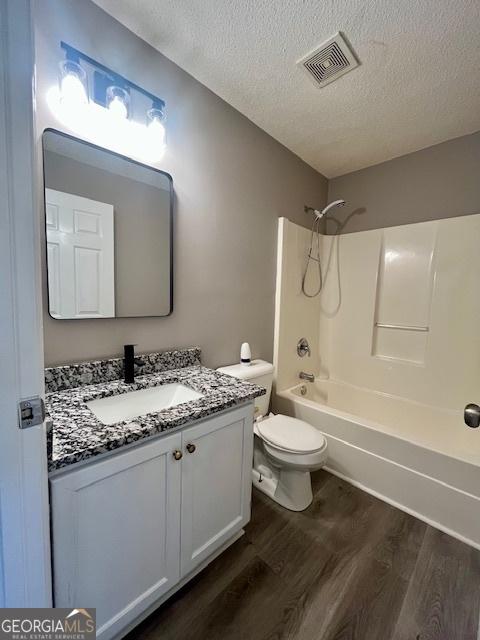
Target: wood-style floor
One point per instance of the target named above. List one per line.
(350, 567)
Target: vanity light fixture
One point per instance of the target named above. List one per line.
(106, 108)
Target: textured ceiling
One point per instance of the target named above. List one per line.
(418, 84)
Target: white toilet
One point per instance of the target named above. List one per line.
(286, 450)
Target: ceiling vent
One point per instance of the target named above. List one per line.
(329, 61)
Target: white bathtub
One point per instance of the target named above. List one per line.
(422, 459)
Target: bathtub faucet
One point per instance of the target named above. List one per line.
(309, 377)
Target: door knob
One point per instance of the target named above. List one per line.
(177, 454)
(190, 447)
(471, 415)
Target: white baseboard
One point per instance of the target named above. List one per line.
(440, 505)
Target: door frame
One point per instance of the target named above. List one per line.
(25, 572)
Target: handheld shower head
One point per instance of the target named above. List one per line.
(335, 203)
(320, 214)
(316, 233)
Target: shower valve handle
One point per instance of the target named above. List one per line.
(471, 415)
(303, 348)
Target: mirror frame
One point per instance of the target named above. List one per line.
(140, 164)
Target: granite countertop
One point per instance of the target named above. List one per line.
(77, 435)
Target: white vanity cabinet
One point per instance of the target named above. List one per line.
(129, 529)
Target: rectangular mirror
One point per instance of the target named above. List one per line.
(108, 232)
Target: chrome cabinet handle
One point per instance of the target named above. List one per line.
(190, 447)
(471, 415)
(177, 454)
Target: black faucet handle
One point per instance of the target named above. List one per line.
(139, 362)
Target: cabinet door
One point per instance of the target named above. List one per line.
(116, 531)
(216, 483)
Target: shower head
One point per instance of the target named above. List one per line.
(335, 203)
(320, 214)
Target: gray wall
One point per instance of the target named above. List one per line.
(438, 182)
(141, 231)
(232, 182)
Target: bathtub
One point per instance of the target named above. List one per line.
(421, 459)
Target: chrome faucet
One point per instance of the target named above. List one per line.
(309, 377)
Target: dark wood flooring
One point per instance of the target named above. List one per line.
(350, 567)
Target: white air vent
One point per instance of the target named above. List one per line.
(329, 61)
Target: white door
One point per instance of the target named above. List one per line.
(216, 483)
(116, 533)
(24, 518)
(80, 256)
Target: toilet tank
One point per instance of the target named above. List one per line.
(259, 372)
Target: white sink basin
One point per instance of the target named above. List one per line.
(138, 403)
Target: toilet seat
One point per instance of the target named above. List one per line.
(290, 434)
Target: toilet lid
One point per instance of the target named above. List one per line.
(291, 434)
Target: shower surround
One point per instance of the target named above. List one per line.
(396, 354)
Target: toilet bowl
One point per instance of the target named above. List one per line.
(286, 450)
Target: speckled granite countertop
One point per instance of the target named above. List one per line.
(78, 435)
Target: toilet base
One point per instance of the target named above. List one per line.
(290, 488)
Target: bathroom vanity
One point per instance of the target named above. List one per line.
(149, 458)
(141, 505)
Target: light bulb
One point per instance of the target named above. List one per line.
(157, 129)
(118, 108)
(117, 102)
(72, 83)
(156, 118)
